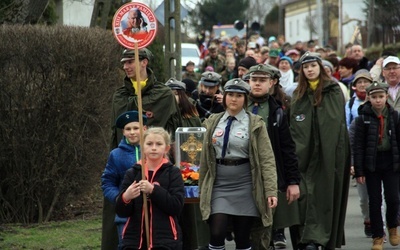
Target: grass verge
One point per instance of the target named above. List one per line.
(72, 234)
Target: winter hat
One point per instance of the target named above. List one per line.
(247, 62)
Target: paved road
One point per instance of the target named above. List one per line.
(355, 238)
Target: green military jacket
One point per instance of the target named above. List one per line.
(218, 63)
(158, 103)
(323, 151)
(262, 164)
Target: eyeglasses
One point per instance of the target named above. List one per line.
(391, 68)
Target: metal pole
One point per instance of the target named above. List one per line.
(340, 26)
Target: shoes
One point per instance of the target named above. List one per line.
(311, 246)
(394, 238)
(279, 240)
(367, 229)
(377, 243)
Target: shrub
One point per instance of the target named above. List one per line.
(56, 86)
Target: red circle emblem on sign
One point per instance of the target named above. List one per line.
(134, 23)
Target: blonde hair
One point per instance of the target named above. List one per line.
(158, 131)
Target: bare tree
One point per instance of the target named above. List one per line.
(23, 11)
(258, 9)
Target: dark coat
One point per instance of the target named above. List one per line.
(158, 102)
(206, 105)
(366, 139)
(323, 150)
(165, 204)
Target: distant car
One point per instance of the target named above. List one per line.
(190, 52)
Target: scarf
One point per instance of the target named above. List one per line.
(286, 79)
(313, 84)
(142, 84)
(361, 95)
(260, 99)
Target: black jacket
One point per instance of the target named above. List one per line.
(283, 146)
(165, 204)
(366, 138)
(206, 105)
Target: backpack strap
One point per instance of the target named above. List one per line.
(351, 103)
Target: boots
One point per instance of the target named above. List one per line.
(377, 243)
(394, 238)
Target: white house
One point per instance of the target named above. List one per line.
(299, 12)
(74, 12)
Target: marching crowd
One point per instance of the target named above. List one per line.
(288, 126)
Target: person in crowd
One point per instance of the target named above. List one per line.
(276, 89)
(158, 100)
(190, 86)
(244, 65)
(240, 50)
(229, 72)
(376, 160)
(208, 97)
(264, 52)
(317, 116)
(250, 52)
(328, 66)
(164, 188)
(214, 60)
(391, 74)
(311, 46)
(120, 160)
(299, 46)
(273, 57)
(263, 104)
(287, 76)
(376, 69)
(357, 53)
(190, 73)
(361, 82)
(347, 68)
(190, 213)
(293, 54)
(347, 52)
(160, 109)
(335, 63)
(189, 114)
(322, 52)
(237, 164)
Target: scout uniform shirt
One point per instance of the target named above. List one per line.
(238, 145)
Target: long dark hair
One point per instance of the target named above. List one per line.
(303, 84)
(187, 108)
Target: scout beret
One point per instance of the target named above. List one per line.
(310, 57)
(237, 85)
(376, 87)
(174, 84)
(210, 79)
(127, 117)
(129, 54)
(261, 68)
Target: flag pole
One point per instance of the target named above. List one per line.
(142, 157)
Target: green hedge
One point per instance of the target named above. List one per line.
(56, 85)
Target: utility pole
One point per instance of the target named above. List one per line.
(371, 17)
(309, 19)
(320, 23)
(172, 20)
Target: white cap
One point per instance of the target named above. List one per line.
(391, 59)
